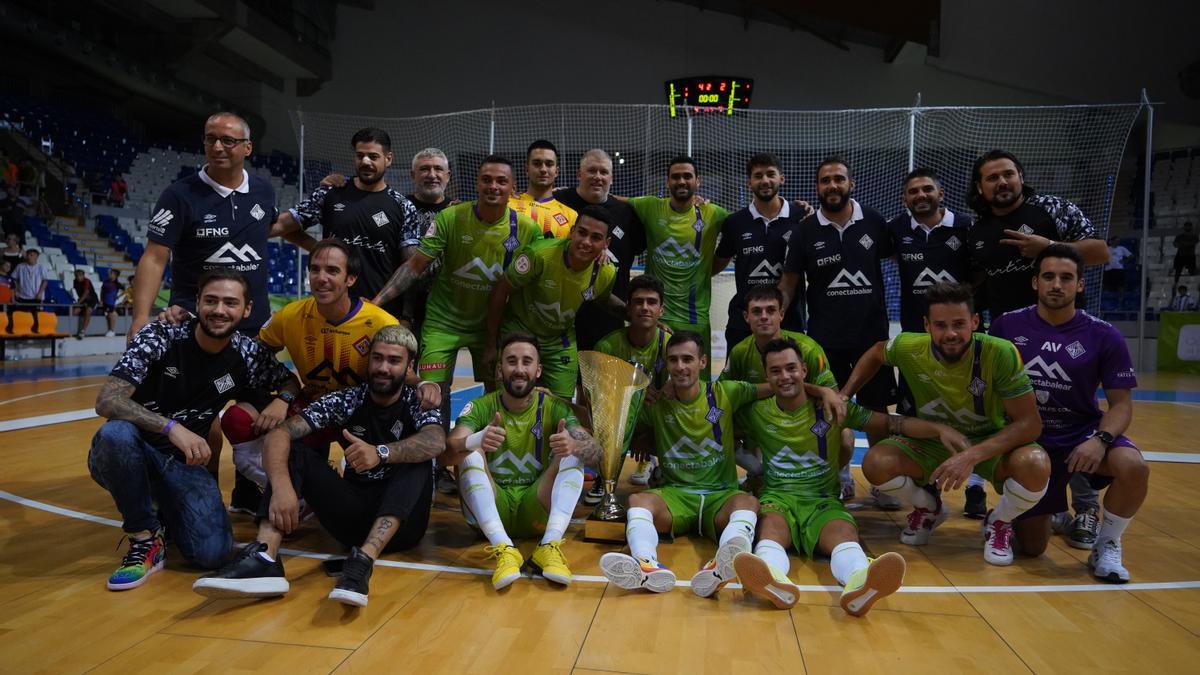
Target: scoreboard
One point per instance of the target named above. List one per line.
(709, 95)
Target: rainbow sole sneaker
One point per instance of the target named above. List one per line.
(632, 573)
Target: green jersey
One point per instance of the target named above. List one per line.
(801, 450)
(969, 395)
(680, 247)
(526, 448)
(474, 255)
(549, 292)
(652, 359)
(745, 362)
(694, 439)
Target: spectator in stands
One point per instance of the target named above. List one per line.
(1182, 302)
(12, 253)
(1114, 271)
(6, 285)
(1185, 251)
(86, 301)
(112, 294)
(31, 281)
(13, 215)
(10, 174)
(117, 191)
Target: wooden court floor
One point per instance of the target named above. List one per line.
(433, 609)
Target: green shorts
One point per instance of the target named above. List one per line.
(805, 516)
(521, 511)
(439, 352)
(929, 453)
(705, 331)
(694, 511)
(560, 366)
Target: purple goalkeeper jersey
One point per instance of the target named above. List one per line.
(1066, 365)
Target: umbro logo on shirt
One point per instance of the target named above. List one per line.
(747, 235)
(339, 207)
(171, 371)
(210, 218)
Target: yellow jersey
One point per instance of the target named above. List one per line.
(554, 217)
(327, 355)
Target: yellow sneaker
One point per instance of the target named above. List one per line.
(549, 559)
(765, 581)
(508, 565)
(879, 579)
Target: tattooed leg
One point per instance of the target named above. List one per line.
(381, 534)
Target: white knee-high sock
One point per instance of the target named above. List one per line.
(975, 481)
(846, 559)
(476, 489)
(772, 552)
(1112, 527)
(640, 532)
(1016, 500)
(907, 491)
(563, 497)
(740, 523)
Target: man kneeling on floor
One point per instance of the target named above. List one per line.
(380, 503)
(160, 401)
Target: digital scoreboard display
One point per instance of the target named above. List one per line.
(709, 95)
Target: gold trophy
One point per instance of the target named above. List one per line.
(611, 384)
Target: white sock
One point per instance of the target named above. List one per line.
(975, 481)
(740, 523)
(1112, 527)
(248, 460)
(1016, 500)
(475, 487)
(640, 532)
(907, 491)
(563, 497)
(846, 559)
(774, 554)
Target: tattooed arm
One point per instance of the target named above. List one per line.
(277, 445)
(115, 402)
(587, 449)
(404, 277)
(427, 443)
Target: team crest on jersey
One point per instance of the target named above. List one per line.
(820, 428)
(560, 219)
(257, 212)
(522, 264)
(977, 387)
(1042, 396)
(787, 236)
(536, 430)
(380, 219)
(953, 243)
(511, 244)
(397, 429)
(467, 409)
(223, 383)
(618, 232)
(1076, 350)
(1025, 229)
(714, 415)
(866, 241)
(698, 225)
(363, 345)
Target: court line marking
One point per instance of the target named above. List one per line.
(589, 578)
(47, 393)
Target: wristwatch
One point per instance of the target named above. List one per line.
(383, 451)
(1105, 438)
(286, 396)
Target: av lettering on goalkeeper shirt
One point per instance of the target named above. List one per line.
(843, 277)
(968, 395)
(1067, 364)
(926, 257)
(680, 246)
(208, 226)
(473, 255)
(758, 248)
(378, 225)
(1006, 273)
(548, 292)
(174, 377)
(525, 452)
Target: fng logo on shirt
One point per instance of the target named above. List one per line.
(477, 270)
(229, 254)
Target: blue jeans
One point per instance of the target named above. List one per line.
(188, 498)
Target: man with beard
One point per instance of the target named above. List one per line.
(520, 457)
(160, 400)
(975, 384)
(541, 291)
(381, 503)
(627, 242)
(430, 175)
(836, 252)
(539, 202)
(756, 239)
(377, 221)
(1069, 354)
(681, 242)
(1015, 223)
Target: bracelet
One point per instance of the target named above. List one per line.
(167, 429)
(422, 383)
(475, 440)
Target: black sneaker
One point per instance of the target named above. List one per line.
(351, 588)
(593, 496)
(976, 505)
(445, 482)
(245, 497)
(1084, 529)
(248, 575)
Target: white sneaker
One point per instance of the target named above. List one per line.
(110, 334)
(631, 573)
(997, 541)
(642, 475)
(720, 570)
(847, 490)
(1105, 561)
(921, 523)
(884, 501)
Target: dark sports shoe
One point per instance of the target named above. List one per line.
(351, 588)
(445, 482)
(245, 497)
(249, 575)
(593, 496)
(976, 505)
(1084, 529)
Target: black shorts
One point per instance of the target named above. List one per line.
(878, 393)
(1055, 499)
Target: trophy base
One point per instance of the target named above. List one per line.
(604, 531)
